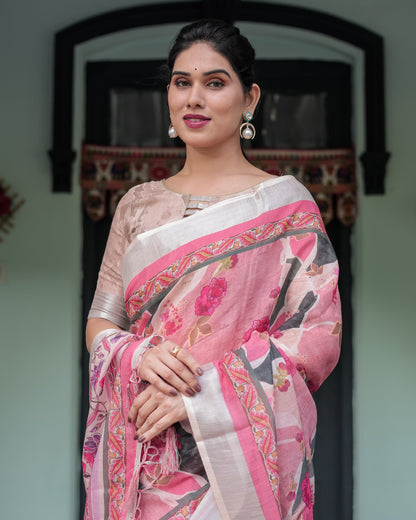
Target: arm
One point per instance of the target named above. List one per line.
(156, 365)
(95, 326)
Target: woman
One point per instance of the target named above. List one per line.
(203, 409)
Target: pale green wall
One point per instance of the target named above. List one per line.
(40, 299)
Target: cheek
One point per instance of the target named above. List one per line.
(175, 105)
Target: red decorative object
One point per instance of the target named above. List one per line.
(8, 207)
(107, 172)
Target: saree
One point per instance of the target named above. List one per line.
(249, 287)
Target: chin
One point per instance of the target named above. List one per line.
(204, 141)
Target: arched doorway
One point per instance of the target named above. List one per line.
(336, 434)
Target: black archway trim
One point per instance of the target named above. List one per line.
(374, 159)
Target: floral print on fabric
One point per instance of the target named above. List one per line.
(210, 297)
(172, 320)
(261, 348)
(307, 494)
(254, 236)
(261, 325)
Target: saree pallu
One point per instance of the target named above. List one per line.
(249, 287)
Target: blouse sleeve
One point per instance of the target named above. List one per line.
(144, 207)
(108, 302)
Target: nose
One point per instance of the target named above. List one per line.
(196, 96)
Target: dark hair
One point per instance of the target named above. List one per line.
(223, 38)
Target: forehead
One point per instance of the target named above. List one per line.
(201, 56)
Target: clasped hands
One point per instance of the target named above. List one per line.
(171, 371)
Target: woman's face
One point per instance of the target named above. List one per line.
(206, 98)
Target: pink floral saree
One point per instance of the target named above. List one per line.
(249, 287)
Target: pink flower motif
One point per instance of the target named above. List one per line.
(289, 366)
(307, 492)
(290, 497)
(234, 260)
(299, 437)
(261, 325)
(171, 327)
(89, 459)
(171, 320)
(285, 386)
(274, 293)
(210, 297)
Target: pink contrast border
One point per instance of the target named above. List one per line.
(273, 215)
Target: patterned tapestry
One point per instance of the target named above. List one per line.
(107, 173)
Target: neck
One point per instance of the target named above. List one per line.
(220, 170)
(202, 163)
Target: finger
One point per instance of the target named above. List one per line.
(184, 356)
(154, 424)
(134, 409)
(167, 413)
(139, 401)
(184, 365)
(188, 360)
(168, 374)
(176, 374)
(151, 370)
(146, 410)
(169, 364)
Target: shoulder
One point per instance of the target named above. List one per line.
(140, 192)
(142, 195)
(132, 204)
(147, 205)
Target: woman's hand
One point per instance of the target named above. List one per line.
(170, 368)
(153, 412)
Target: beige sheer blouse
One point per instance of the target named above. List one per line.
(144, 207)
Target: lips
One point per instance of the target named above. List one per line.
(195, 117)
(195, 120)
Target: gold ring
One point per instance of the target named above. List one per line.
(175, 350)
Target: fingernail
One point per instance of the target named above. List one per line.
(173, 392)
(141, 439)
(129, 419)
(136, 436)
(197, 387)
(189, 391)
(199, 371)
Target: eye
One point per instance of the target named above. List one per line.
(216, 83)
(181, 82)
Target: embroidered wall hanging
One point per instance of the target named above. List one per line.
(9, 204)
(108, 172)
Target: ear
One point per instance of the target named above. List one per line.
(252, 98)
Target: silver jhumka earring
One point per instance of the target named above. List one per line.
(172, 132)
(247, 130)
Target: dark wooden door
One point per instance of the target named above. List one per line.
(305, 104)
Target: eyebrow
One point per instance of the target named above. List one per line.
(208, 73)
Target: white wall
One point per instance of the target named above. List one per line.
(40, 300)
